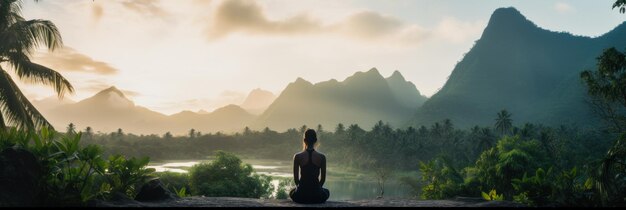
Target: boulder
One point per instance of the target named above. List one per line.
(20, 172)
(153, 191)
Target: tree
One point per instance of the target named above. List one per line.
(303, 129)
(247, 131)
(167, 135)
(227, 176)
(119, 133)
(192, 133)
(340, 129)
(20, 38)
(71, 128)
(621, 4)
(320, 129)
(504, 122)
(88, 132)
(607, 88)
(486, 139)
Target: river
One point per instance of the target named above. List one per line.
(342, 184)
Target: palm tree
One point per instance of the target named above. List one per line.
(71, 128)
(504, 122)
(89, 132)
(340, 129)
(20, 38)
(192, 133)
(167, 135)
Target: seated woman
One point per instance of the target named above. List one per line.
(309, 163)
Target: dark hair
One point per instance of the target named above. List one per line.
(310, 137)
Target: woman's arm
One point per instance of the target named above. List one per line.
(296, 171)
(323, 171)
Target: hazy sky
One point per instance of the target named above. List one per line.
(173, 55)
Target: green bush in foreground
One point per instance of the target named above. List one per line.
(227, 176)
(72, 174)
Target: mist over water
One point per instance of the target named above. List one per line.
(341, 188)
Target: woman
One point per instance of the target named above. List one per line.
(311, 165)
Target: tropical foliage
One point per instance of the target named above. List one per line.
(20, 38)
(75, 174)
(227, 176)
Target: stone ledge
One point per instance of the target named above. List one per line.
(197, 201)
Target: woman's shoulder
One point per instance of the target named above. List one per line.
(298, 154)
(321, 154)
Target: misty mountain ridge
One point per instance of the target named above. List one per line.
(363, 98)
(529, 71)
(364, 92)
(257, 101)
(110, 109)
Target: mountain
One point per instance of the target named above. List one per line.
(405, 92)
(110, 109)
(230, 118)
(529, 71)
(106, 111)
(363, 98)
(51, 102)
(258, 100)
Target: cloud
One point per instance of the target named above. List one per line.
(249, 17)
(147, 7)
(94, 85)
(97, 11)
(564, 8)
(455, 30)
(67, 59)
(370, 24)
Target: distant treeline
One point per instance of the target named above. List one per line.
(353, 146)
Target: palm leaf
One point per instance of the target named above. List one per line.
(24, 36)
(10, 12)
(35, 73)
(16, 107)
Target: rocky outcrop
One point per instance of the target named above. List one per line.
(153, 191)
(197, 201)
(20, 173)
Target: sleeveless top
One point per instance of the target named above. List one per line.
(310, 173)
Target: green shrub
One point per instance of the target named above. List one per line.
(284, 185)
(175, 181)
(227, 176)
(74, 174)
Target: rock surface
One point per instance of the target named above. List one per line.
(197, 201)
(19, 175)
(154, 190)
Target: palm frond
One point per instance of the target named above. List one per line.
(10, 12)
(35, 73)
(16, 107)
(25, 36)
(3, 126)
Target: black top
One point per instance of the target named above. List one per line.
(310, 173)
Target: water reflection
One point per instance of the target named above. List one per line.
(340, 188)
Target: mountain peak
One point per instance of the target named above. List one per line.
(396, 76)
(507, 22)
(113, 97)
(510, 12)
(373, 71)
(231, 108)
(112, 89)
(301, 82)
(258, 100)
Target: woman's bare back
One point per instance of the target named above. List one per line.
(302, 158)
